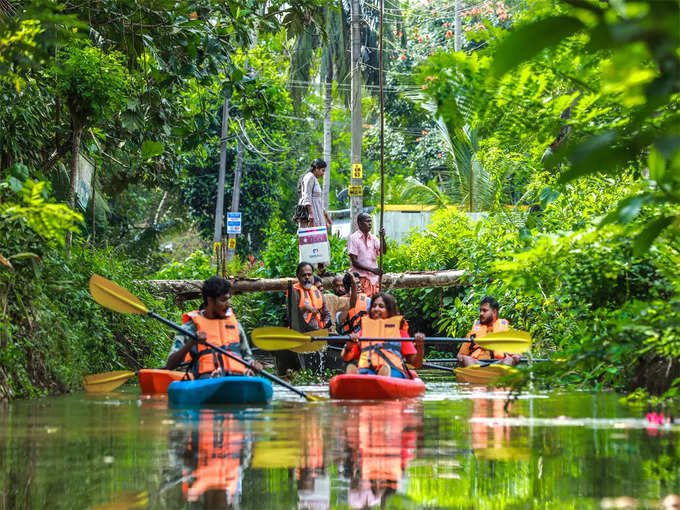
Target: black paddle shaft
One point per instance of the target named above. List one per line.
(269, 376)
(443, 339)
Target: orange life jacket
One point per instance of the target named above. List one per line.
(310, 297)
(218, 458)
(222, 333)
(479, 330)
(354, 315)
(378, 353)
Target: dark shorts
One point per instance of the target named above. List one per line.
(394, 372)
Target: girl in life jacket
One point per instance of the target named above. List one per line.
(216, 324)
(383, 357)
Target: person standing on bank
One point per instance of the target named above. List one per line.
(310, 198)
(363, 249)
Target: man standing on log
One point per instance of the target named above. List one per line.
(363, 249)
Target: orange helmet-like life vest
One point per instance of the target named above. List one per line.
(380, 352)
(221, 332)
(355, 314)
(312, 297)
(479, 330)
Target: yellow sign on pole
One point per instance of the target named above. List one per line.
(356, 191)
(232, 243)
(357, 171)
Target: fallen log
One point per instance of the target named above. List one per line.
(191, 289)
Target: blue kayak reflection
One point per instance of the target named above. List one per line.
(211, 449)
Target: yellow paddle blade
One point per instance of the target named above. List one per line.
(114, 297)
(312, 346)
(513, 341)
(108, 381)
(276, 338)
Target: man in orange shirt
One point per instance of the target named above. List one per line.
(488, 322)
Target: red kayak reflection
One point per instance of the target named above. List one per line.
(381, 439)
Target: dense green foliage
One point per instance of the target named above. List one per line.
(558, 122)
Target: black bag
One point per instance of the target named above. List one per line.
(301, 214)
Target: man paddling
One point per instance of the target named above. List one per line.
(488, 322)
(217, 324)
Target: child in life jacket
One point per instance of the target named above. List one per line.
(215, 323)
(383, 357)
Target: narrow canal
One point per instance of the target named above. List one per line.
(458, 447)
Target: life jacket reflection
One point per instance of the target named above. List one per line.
(221, 332)
(215, 453)
(377, 353)
(383, 439)
(479, 330)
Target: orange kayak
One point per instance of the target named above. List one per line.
(375, 387)
(157, 380)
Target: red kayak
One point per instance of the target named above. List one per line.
(157, 381)
(375, 387)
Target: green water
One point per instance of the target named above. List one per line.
(456, 448)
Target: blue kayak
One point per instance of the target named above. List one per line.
(234, 389)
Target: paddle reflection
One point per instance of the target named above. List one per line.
(381, 439)
(213, 452)
(493, 440)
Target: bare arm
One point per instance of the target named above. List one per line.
(417, 359)
(359, 265)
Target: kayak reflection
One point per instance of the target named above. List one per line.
(213, 452)
(491, 439)
(381, 439)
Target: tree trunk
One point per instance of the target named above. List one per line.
(191, 289)
(75, 156)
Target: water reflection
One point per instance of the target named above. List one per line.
(458, 448)
(381, 439)
(211, 450)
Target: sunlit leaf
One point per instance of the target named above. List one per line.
(528, 41)
(651, 231)
(151, 149)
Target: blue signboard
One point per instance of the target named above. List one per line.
(234, 223)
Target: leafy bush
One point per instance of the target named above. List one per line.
(51, 331)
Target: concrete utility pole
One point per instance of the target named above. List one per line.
(458, 35)
(356, 201)
(219, 207)
(236, 193)
(327, 138)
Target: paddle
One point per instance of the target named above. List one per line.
(108, 381)
(275, 338)
(116, 298)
